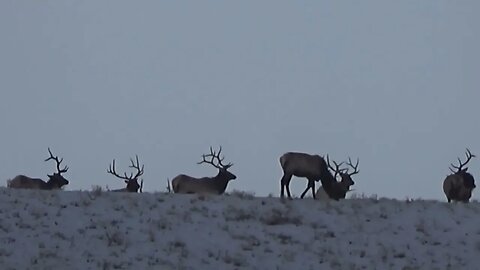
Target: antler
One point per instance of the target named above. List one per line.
(215, 156)
(355, 168)
(337, 169)
(140, 170)
(469, 156)
(137, 167)
(60, 171)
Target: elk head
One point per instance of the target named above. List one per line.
(223, 172)
(340, 189)
(131, 180)
(56, 179)
(347, 176)
(460, 167)
(462, 171)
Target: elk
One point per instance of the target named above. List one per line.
(459, 185)
(131, 180)
(206, 185)
(340, 189)
(312, 167)
(55, 180)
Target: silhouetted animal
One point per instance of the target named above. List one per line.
(312, 167)
(459, 185)
(132, 180)
(55, 181)
(206, 185)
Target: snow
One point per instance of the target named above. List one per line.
(106, 230)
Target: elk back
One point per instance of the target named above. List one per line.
(303, 164)
(22, 181)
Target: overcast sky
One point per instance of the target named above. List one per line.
(395, 83)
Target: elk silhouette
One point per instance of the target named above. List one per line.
(131, 180)
(340, 189)
(55, 180)
(314, 168)
(459, 185)
(206, 185)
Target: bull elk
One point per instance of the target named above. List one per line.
(131, 180)
(312, 167)
(206, 185)
(55, 180)
(459, 185)
(340, 189)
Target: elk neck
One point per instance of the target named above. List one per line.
(327, 178)
(221, 180)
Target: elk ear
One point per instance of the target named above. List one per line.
(126, 181)
(50, 175)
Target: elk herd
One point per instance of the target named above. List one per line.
(457, 186)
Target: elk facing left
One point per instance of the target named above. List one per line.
(55, 180)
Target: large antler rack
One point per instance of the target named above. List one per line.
(134, 165)
(459, 168)
(354, 167)
(215, 156)
(58, 161)
(337, 170)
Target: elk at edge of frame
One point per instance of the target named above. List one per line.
(459, 185)
(55, 180)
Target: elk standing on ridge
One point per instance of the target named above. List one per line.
(206, 185)
(55, 180)
(132, 180)
(312, 167)
(459, 185)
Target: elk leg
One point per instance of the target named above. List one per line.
(285, 183)
(311, 184)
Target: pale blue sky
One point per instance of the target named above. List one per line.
(395, 83)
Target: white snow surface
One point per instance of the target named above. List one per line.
(106, 230)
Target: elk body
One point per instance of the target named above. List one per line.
(55, 180)
(131, 180)
(206, 185)
(312, 167)
(459, 185)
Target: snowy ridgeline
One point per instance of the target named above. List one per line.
(101, 230)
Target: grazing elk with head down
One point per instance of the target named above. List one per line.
(340, 189)
(131, 180)
(312, 167)
(206, 185)
(55, 180)
(459, 185)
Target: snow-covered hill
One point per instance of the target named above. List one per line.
(103, 230)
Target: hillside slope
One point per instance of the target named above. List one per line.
(101, 230)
